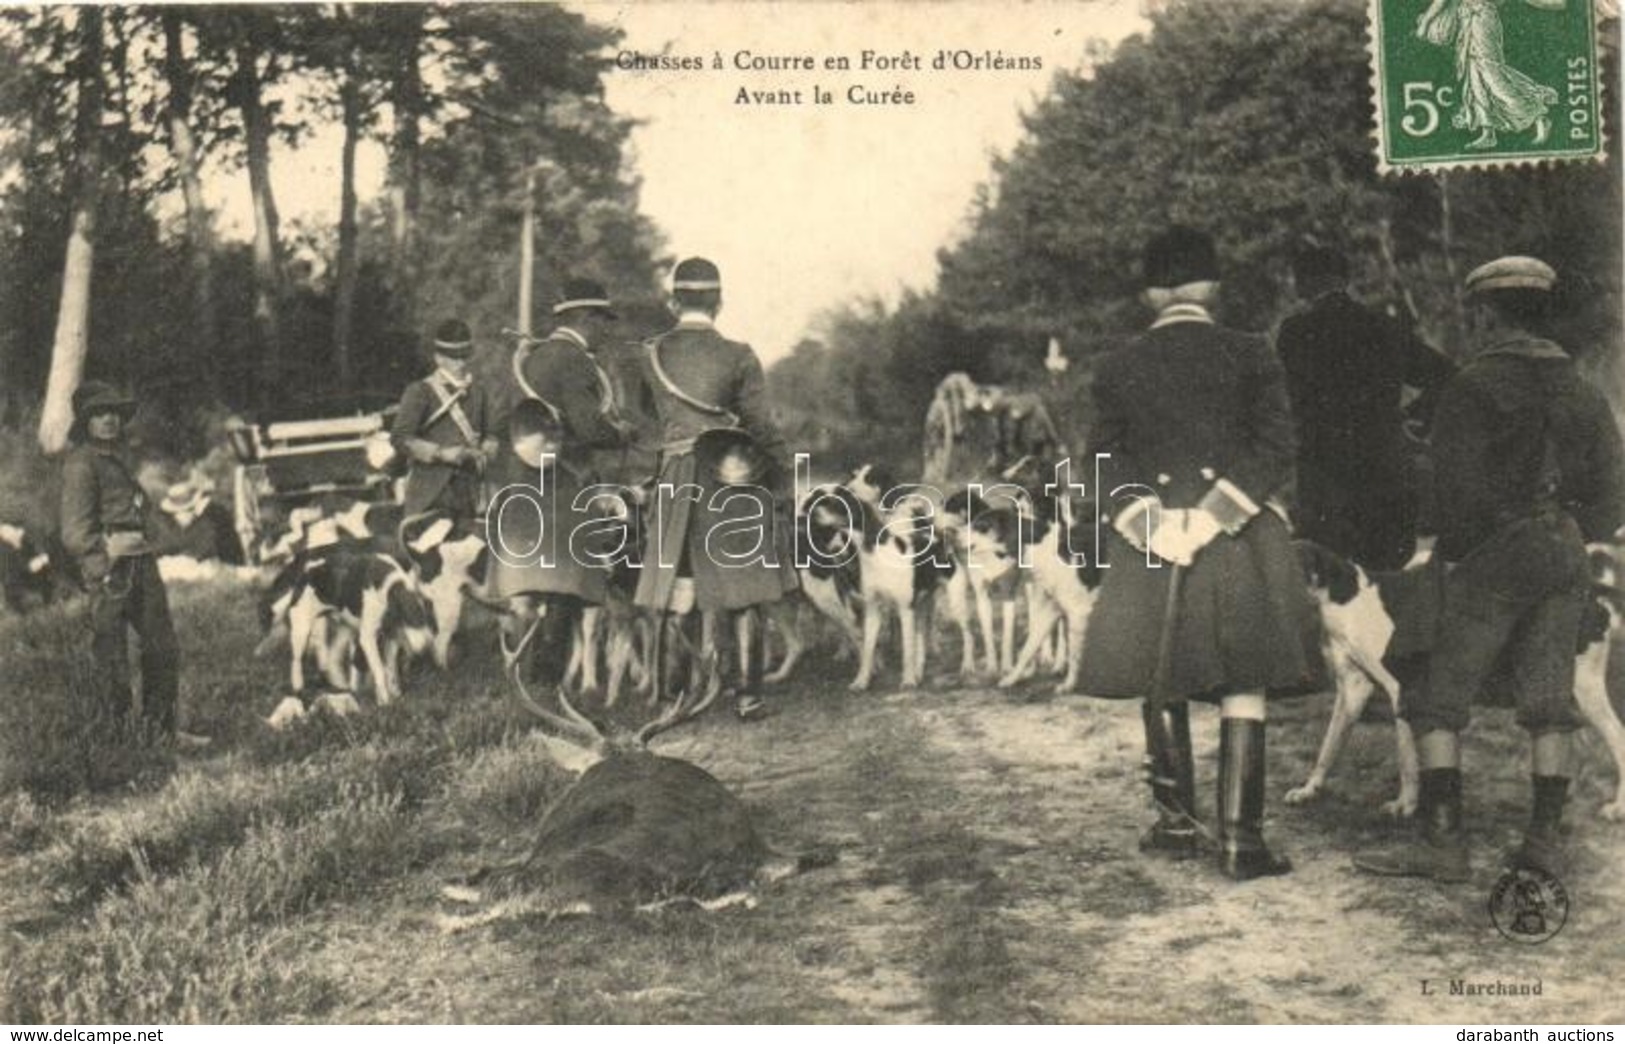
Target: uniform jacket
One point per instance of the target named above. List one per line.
(709, 368)
(1199, 414)
(563, 373)
(1356, 490)
(1345, 365)
(1188, 403)
(1518, 431)
(99, 496)
(421, 416)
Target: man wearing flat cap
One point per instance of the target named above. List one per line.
(104, 526)
(1529, 468)
(719, 552)
(561, 379)
(443, 427)
(1194, 436)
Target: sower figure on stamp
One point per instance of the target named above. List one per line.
(560, 415)
(716, 544)
(443, 428)
(1347, 366)
(1528, 467)
(104, 518)
(1195, 436)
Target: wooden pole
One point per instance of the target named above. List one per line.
(527, 251)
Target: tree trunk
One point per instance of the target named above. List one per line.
(199, 223)
(344, 294)
(72, 340)
(406, 98)
(267, 247)
(1447, 242)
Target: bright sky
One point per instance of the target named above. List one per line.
(803, 206)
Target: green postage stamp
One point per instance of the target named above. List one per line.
(1480, 83)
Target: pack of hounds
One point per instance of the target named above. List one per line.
(357, 592)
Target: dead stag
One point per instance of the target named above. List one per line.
(637, 830)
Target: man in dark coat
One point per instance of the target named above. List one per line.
(1528, 468)
(1346, 367)
(535, 512)
(443, 428)
(104, 520)
(696, 381)
(1193, 437)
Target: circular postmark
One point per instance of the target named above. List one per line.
(1528, 905)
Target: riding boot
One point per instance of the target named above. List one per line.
(751, 650)
(1440, 853)
(550, 657)
(1243, 855)
(1172, 776)
(1542, 845)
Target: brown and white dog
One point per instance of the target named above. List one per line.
(371, 595)
(983, 576)
(1060, 580)
(28, 572)
(1363, 618)
(448, 561)
(332, 519)
(901, 564)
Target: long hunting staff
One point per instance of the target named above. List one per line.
(444, 428)
(1528, 468)
(1196, 436)
(709, 396)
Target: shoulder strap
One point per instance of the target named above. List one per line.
(679, 394)
(520, 354)
(450, 405)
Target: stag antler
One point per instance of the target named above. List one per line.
(573, 722)
(689, 705)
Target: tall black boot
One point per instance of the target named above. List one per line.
(1542, 846)
(550, 656)
(1172, 775)
(1242, 852)
(1440, 853)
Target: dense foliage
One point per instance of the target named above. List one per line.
(1251, 118)
(465, 99)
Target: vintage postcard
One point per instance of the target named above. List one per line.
(804, 513)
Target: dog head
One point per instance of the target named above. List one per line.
(1330, 575)
(408, 615)
(870, 483)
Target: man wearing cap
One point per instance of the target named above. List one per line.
(1194, 436)
(1347, 366)
(539, 510)
(104, 519)
(443, 428)
(719, 552)
(1528, 468)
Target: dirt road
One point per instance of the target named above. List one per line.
(988, 872)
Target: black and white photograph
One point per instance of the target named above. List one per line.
(1100, 513)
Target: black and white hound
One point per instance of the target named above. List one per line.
(1365, 617)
